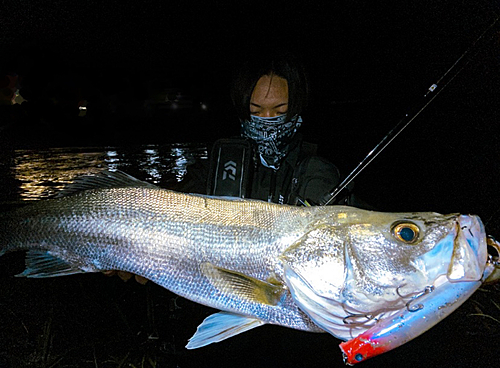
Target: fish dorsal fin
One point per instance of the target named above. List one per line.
(105, 179)
(243, 286)
(221, 326)
(40, 264)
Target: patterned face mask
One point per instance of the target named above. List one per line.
(272, 135)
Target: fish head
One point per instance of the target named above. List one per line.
(411, 251)
(367, 264)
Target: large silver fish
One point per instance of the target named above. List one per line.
(334, 268)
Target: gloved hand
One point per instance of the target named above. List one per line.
(125, 276)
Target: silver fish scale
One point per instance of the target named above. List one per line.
(165, 236)
(339, 260)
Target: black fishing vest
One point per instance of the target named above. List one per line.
(235, 170)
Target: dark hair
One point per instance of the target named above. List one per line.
(282, 64)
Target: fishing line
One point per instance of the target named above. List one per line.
(431, 93)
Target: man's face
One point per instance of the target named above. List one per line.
(269, 97)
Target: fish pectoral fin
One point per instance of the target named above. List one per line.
(40, 263)
(221, 326)
(243, 286)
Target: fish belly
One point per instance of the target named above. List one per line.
(165, 237)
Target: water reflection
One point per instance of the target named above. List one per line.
(182, 158)
(112, 160)
(42, 173)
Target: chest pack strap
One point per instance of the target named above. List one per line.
(230, 168)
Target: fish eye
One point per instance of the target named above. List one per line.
(407, 232)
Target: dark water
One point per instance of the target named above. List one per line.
(40, 173)
(97, 321)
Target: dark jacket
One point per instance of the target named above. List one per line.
(302, 176)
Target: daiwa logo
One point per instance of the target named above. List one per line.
(229, 170)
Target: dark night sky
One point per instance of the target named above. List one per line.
(370, 62)
(352, 48)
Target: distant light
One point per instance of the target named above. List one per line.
(17, 98)
(203, 106)
(82, 106)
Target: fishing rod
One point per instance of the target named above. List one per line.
(431, 93)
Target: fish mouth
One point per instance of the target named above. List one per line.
(461, 255)
(470, 252)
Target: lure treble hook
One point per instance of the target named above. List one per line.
(414, 308)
